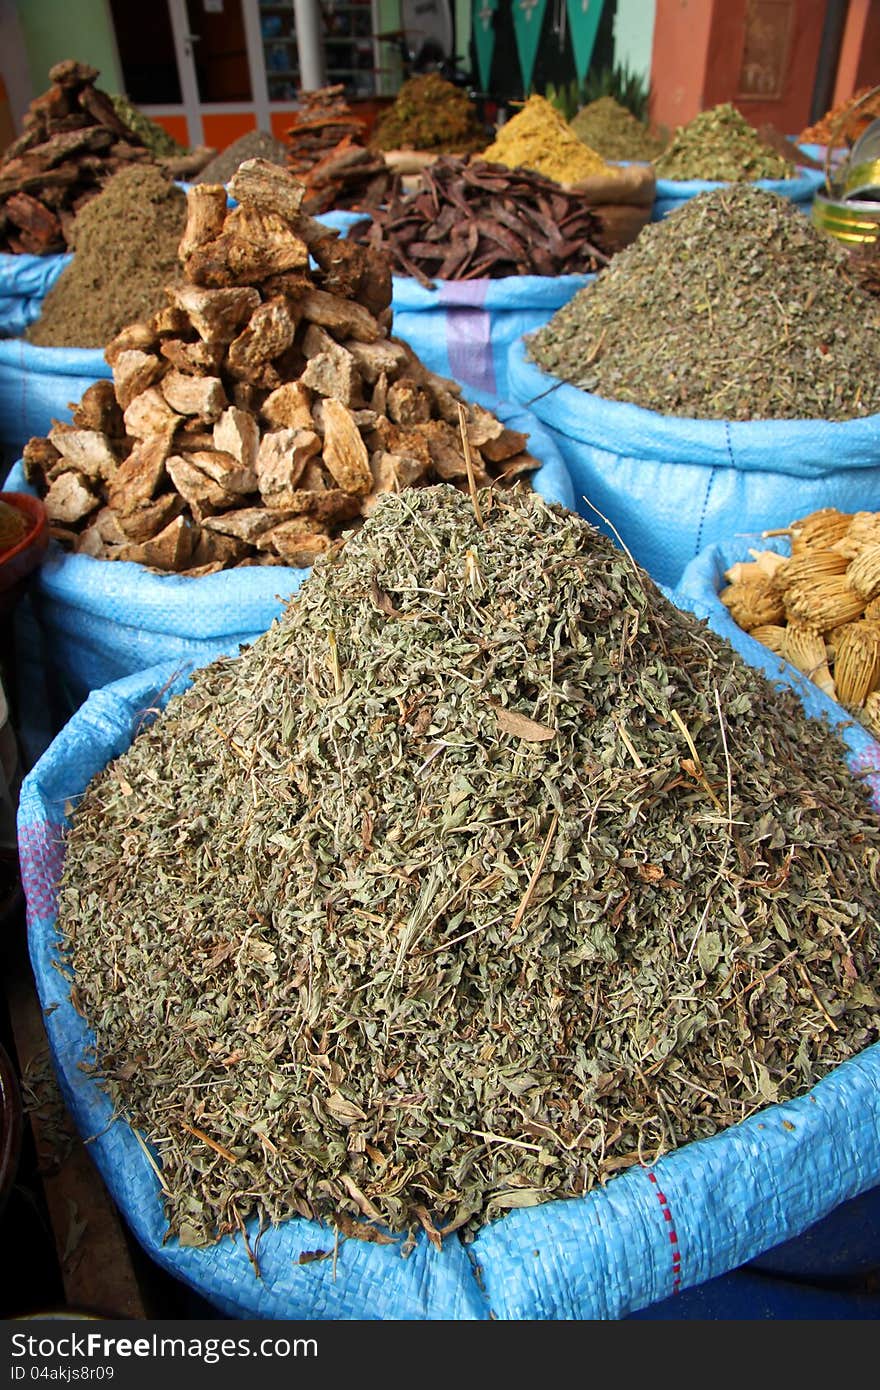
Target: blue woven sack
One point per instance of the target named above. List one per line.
(699, 1212)
(672, 193)
(670, 485)
(39, 384)
(463, 329)
(24, 283)
(103, 620)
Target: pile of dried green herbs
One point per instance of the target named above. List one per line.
(430, 113)
(733, 307)
(484, 874)
(614, 132)
(125, 243)
(721, 145)
(150, 133)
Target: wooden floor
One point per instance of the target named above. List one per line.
(64, 1243)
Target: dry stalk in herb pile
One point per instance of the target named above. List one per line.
(264, 409)
(479, 220)
(483, 875)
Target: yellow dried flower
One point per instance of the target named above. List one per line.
(813, 562)
(804, 647)
(825, 602)
(753, 602)
(821, 528)
(863, 573)
(771, 635)
(869, 714)
(857, 662)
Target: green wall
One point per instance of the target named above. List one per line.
(57, 29)
(634, 35)
(463, 22)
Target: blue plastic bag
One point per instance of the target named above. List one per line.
(699, 1212)
(669, 485)
(39, 384)
(24, 283)
(672, 193)
(463, 329)
(102, 620)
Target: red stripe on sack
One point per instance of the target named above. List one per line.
(673, 1234)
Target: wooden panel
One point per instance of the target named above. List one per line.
(788, 57)
(769, 27)
(96, 1261)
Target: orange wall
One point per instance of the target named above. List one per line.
(859, 64)
(220, 131)
(791, 110)
(176, 126)
(678, 60)
(697, 55)
(868, 74)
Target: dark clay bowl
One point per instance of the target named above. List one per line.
(18, 560)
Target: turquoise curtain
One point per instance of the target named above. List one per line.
(583, 23)
(528, 16)
(484, 38)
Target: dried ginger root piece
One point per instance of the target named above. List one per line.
(345, 453)
(252, 246)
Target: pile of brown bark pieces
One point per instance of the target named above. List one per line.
(72, 143)
(265, 409)
(326, 150)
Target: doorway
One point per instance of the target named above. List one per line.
(196, 67)
(210, 71)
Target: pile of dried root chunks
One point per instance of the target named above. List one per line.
(265, 408)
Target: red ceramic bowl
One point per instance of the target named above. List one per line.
(18, 561)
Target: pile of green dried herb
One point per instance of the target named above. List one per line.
(156, 139)
(865, 263)
(614, 132)
(125, 245)
(733, 307)
(720, 145)
(430, 113)
(483, 874)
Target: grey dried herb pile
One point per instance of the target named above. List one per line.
(733, 307)
(721, 145)
(256, 144)
(482, 875)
